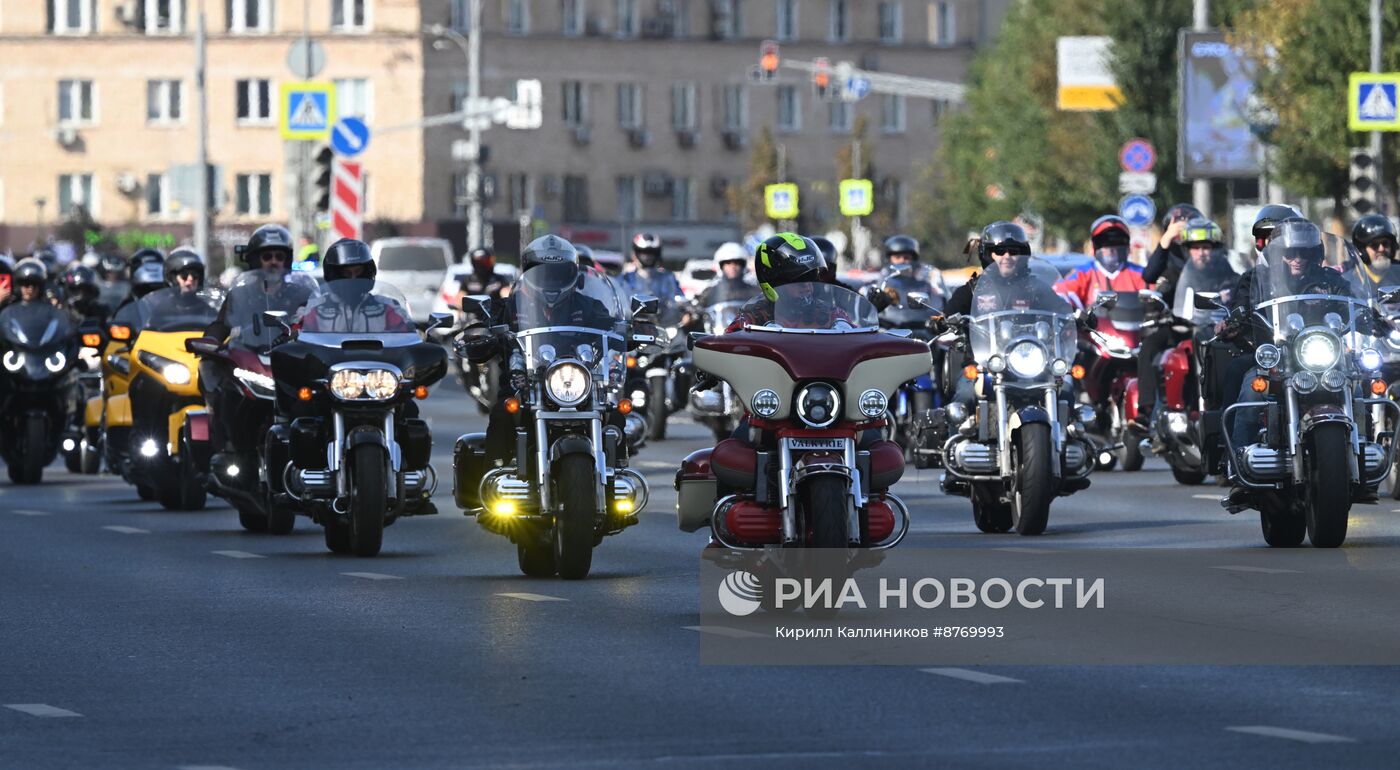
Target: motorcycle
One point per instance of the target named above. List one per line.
(1021, 446)
(913, 302)
(657, 382)
(569, 485)
(39, 349)
(817, 382)
(347, 448)
(79, 454)
(720, 409)
(1108, 359)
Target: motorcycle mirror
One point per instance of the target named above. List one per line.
(477, 306)
(645, 304)
(1206, 300)
(439, 321)
(1106, 299)
(202, 346)
(899, 332)
(276, 318)
(918, 299)
(1390, 295)
(694, 337)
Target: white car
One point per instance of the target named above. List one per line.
(446, 299)
(417, 266)
(696, 275)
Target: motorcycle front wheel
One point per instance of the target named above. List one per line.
(573, 526)
(656, 409)
(369, 493)
(826, 511)
(1329, 488)
(1030, 504)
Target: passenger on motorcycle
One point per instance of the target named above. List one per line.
(1169, 257)
(1111, 270)
(81, 287)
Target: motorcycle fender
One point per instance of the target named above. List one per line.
(570, 445)
(658, 373)
(1130, 399)
(1026, 416)
(364, 434)
(1323, 413)
(92, 412)
(196, 416)
(819, 463)
(119, 411)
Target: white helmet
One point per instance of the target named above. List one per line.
(731, 252)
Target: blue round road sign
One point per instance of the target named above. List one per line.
(1137, 155)
(349, 137)
(1137, 210)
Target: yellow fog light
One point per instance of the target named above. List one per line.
(504, 508)
(623, 506)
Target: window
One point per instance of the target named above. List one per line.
(75, 102)
(736, 108)
(628, 204)
(626, 18)
(728, 19)
(575, 103)
(891, 23)
(461, 15)
(248, 16)
(157, 196)
(71, 17)
(942, 23)
(164, 101)
(683, 199)
(678, 12)
(75, 190)
(892, 113)
(629, 105)
(352, 98)
(838, 117)
(897, 196)
(789, 109)
(573, 17)
(162, 17)
(838, 27)
(575, 199)
(683, 107)
(254, 101)
(787, 20)
(517, 17)
(254, 194)
(348, 15)
(522, 193)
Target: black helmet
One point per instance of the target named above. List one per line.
(32, 271)
(345, 253)
(1109, 230)
(483, 260)
(646, 249)
(112, 265)
(183, 260)
(144, 257)
(267, 238)
(49, 258)
(1371, 230)
(828, 250)
(80, 281)
(786, 258)
(547, 249)
(1267, 218)
(1002, 236)
(901, 244)
(551, 282)
(1180, 211)
(585, 256)
(147, 277)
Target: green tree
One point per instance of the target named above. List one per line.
(747, 199)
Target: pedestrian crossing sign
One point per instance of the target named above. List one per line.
(308, 110)
(1373, 101)
(781, 200)
(857, 197)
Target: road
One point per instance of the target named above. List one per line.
(139, 638)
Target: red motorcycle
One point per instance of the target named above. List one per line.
(816, 385)
(1108, 358)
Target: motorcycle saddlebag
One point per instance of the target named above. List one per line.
(415, 442)
(735, 464)
(468, 466)
(880, 518)
(695, 491)
(308, 443)
(886, 464)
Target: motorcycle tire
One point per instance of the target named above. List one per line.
(826, 511)
(1329, 492)
(656, 409)
(30, 468)
(281, 520)
(1130, 456)
(573, 526)
(251, 518)
(535, 560)
(145, 491)
(1280, 521)
(73, 461)
(989, 513)
(1187, 476)
(90, 459)
(1030, 503)
(369, 499)
(337, 536)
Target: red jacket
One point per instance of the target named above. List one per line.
(1082, 286)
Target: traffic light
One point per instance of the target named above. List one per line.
(821, 78)
(1363, 194)
(768, 59)
(321, 179)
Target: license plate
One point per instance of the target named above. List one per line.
(818, 444)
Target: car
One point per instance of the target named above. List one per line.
(695, 275)
(446, 299)
(417, 266)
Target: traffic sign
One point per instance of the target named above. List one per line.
(350, 137)
(306, 58)
(781, 200)
(1137, 210)
(1373, 101)
(857, 88)
(307, 110)
(1137, 155)
(857, 197)
(347, 199)
(1137, 182)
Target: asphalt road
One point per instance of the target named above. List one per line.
(135, 637)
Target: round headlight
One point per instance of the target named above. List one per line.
(175, 374)
(14, 360)
(873, 403)
(567, 384)
(766, 403)
(1059, 367)
(1334, 379)
(1370, 359)
(1027, 359)
(1305, 382)
(381, 383)
(1267, 356)
(996, 364)
(1318, 351)
(348, 384)
(818, 405)
(56, 362)
(1085, 414)
(1393, 339)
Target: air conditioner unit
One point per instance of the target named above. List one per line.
(127, 183)
(638, 137)
(582, 135)
(656, 27)
(687, 137)
(735, 139)
(66, 136)
(656, 184)
(719, 187)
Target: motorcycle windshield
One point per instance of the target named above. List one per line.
(1017, 315)
(1293, 288)
(362, 307)
(171, 310)
(564, 312)
(34, 326)
(1215, 276)
(720, 315)
(660, 285)
(259, 291)
(897, 286)
(730, 293)
(820, 308)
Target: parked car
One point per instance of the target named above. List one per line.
(417, 266)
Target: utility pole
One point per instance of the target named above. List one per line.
(1200, 188)
(1381, 193)
(201, 205)
(859, 240)
(472, 122)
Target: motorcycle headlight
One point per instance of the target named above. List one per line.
(873, 403)
(818, 405)
(381, 384)
(172, 372)
(567, 383)
(996, 364)
(257, 382)
(348, 384)
(1370, 359)
(1318, 351)
(14, 360)
(1267, 356)
(1305, 382)
(1393, 339)
(1027, 359)
(1059, 367)
(1334, 380)
(766, 403)
(56, 362)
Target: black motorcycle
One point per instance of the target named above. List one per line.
(38, 352)
(910, 301)
(348, 449)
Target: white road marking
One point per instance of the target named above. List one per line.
(532, 597)
(732, 633)
(1302, 736)
(968, 675)
(31, 513)
(239, 554)
(205, 767)
(127, 530)
(1265, 570)
(371, 575)
(41, 710)
(1206, 497)
(1023, 549)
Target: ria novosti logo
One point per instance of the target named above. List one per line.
(739, 593)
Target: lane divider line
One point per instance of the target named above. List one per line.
(238, 554)
(532, 597)
(1302, 736)
(41, 710)
(371, 575)
(127, 530)
(30, 513)
(1265, 570)
(969, 675)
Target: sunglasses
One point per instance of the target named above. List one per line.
(1002, 251)
(187, 275)
(269, 256)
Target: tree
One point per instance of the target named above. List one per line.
(747, 199)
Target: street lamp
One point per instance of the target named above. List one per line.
(470, 46)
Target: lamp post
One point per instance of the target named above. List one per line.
(470, 46)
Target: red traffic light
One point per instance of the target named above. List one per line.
(768, 57)
(821, 75)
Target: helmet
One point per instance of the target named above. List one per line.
(49, 259)
(585, 256)
(31, 271)
(483, 260)
(901, 244)
(786, 258)
(732, 252)
(112, 265)
(267, 238)
(1109, 231)
(183, 260)
(1370, 229)
(1202, 230)
(1267, 218)
(146, 278)
(828, 250)
(81, 283)
(551, 282)
(546, 249)
(91, 259)
(1002, 236)
(346, 253)
(1181, 211)
(145, 256)
(1296, 236)
(646, 249)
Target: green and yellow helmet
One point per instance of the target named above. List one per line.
(786, 258)
(1202, 230)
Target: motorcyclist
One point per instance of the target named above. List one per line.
(732, 261)
(184, 275)
(1374, 238)
(115, 286)
(83, 290)
(483, 278)
(30, 278)
(1165, 263)
(7, 278)
(647, 275)
(350, 304)
(1111, 270)
(779, 260)
(267, 244)
(997, 235)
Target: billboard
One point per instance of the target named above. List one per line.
(1085, 75)
(1213, 130)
